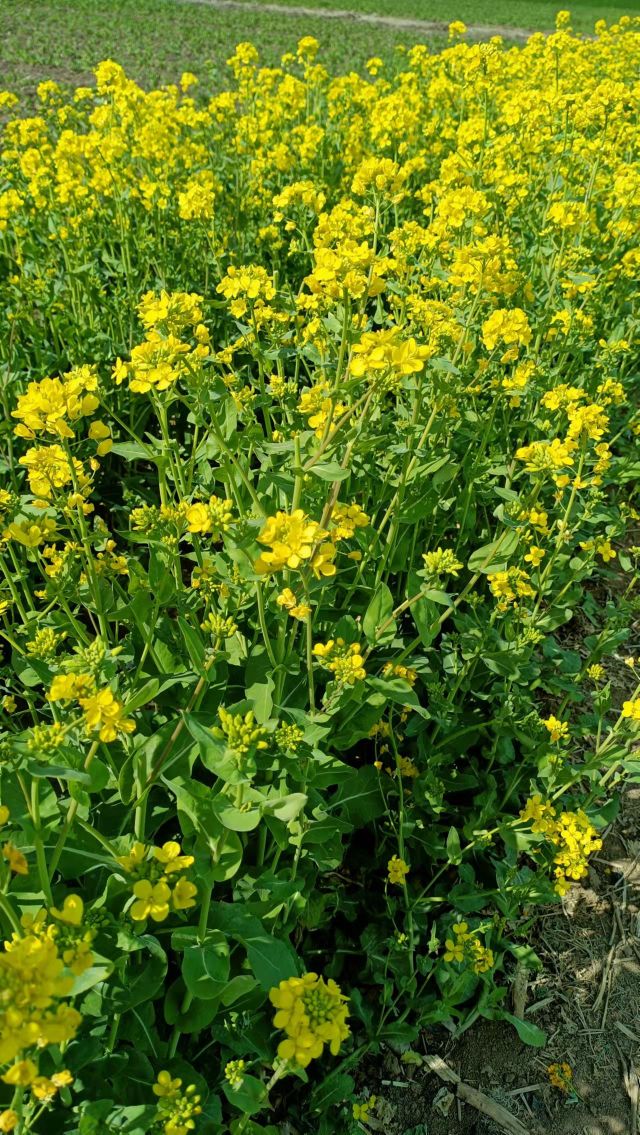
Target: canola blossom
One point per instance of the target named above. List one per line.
(318, 555)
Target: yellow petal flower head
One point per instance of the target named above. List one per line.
(183, 895)
(152, 901)
(291, 539)
(171, 857)
(15, 859)
(103, 712)
(72, 910)
(135, 858)
(23, 1073)
(312, 1013)
(397, 870)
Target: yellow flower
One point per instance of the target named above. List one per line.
(43, 1089)
(183, 895)
(361, 1110)
(558, 730)
(152, 901)
(535, 556)
(631, 709)
(291, 538)
(15, 859)
(605, 550)
(62, 1079)
(69, 687)
(234, 1072)
(312, 1013)
(8, 1120)
(166, 1086)
(4, 814)
(397, 870)
(561, 1077)
(344, 661)
(72, 910)
(103, 712)
(171, 857)
(288, 600)
(135, 857)
(22, 1074)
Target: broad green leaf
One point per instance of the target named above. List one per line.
(205, 968)
(495, 556)
(378, 612)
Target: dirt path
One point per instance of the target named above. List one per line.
(429, 27)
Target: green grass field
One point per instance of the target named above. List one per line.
(534, 14)
(156, 40)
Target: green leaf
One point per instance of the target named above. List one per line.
(330, 471)
(92, 976)
(145, 694)
(195, 646)
(286, 808)
(526, 1030)
(260, 694)
(234, 818)
(196, 1016)
(205, 968)
(249, 1097)
(395, 690)
(145, 974)
(454, 851)
(494, 557)
(378, 611)
(358, 799)
(240, 986)
(271, 959)
(335, 1088)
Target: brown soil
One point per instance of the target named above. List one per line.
(587, 998)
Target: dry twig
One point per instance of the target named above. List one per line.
(474, 1098)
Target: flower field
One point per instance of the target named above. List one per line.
(319, 565)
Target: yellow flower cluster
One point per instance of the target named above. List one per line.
(243, 736)
(558, 730)
(48, 406)
(384, 359)
(561, 1077)
(572, 835)
(103, 713)
(163, 358)
(295, 542)
(33, 989)
(159, 883)
(215, 517)
(397, 870)
(442, 561)
(466, 947)
(312, 1012)
(344, 660)
(68, 929)
(509, 587)
(177, 1109)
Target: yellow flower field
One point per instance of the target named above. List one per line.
(319, 564)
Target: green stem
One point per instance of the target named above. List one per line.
(71, 813)
(38, 843)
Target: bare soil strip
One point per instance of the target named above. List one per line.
(429, 27)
